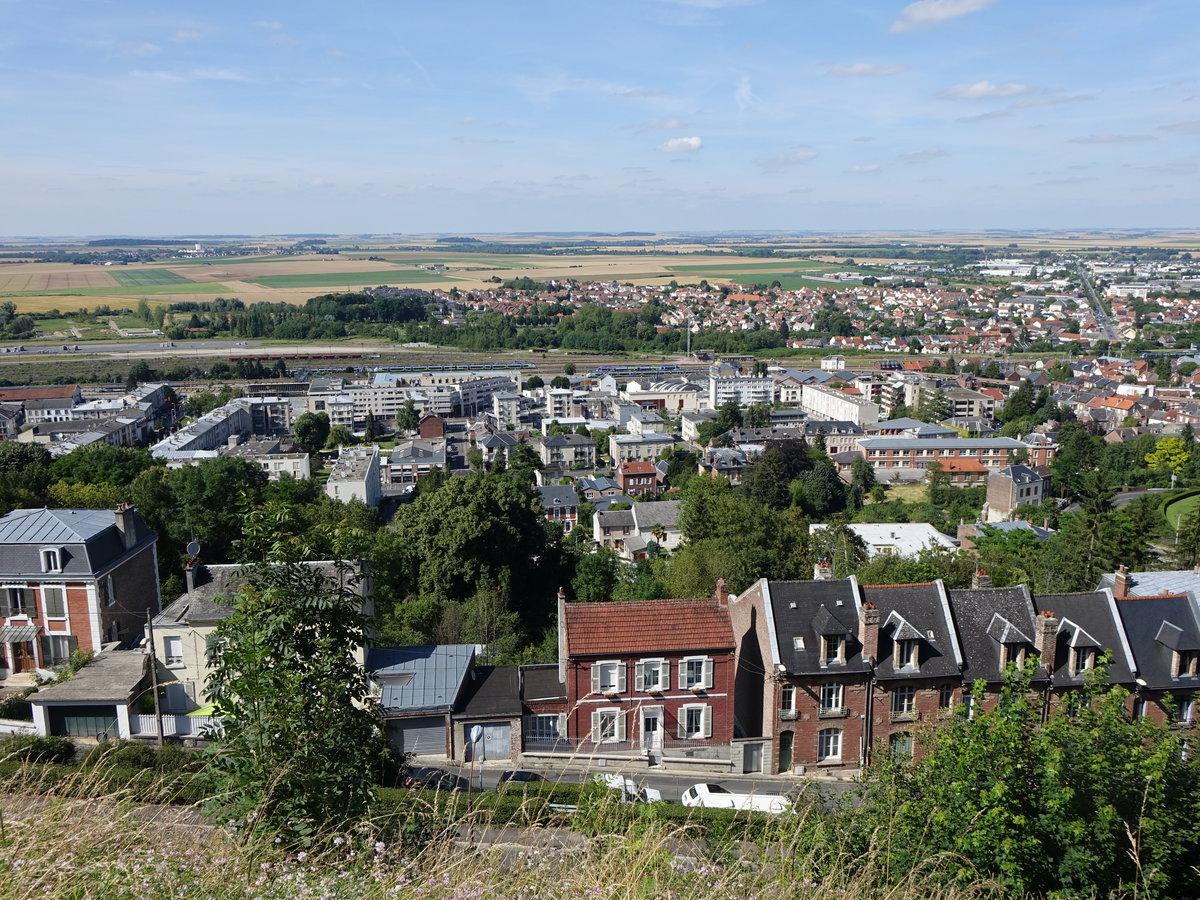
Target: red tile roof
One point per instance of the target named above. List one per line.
(47, 392)
(647, 626)
(638, 468)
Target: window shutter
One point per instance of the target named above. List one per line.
(47, 652)
(707, 722)
(708, 674)
(639, 677)
(595, 678)
(5, 609)
(595, 727)
(620, 729)
(562, 726)
(72, 644)
(53, 604)
(681, 723)
(683, 675)
(664, 676)
(621, 677)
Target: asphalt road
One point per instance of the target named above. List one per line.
(670, 784)
(1110, 333)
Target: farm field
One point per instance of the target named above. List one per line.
(348, 279)
(149, 276)
(38, 277)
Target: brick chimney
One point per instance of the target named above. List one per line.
(823, 570)
(126, 520)
(981, 579)
(193, 571)
(869, 632)
(1045, 638)
(1122, 583)
(722, 593)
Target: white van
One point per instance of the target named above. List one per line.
(713, 796)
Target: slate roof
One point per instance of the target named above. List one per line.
(960, 443)
(1156, 628)
(555, 496)
(801, 612)
(987, 619)
(541, 683)
(420, 679)
(1018, 474)
(90, 535)
(1150, 583)
(923, 609)
(647, 626)
(662, 512)
(1087, 619)
(114, 676)
(491, 691)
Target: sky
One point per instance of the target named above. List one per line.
(477, 116)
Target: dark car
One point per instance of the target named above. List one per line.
(432, 779)
(520, 776)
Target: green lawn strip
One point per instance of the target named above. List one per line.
(1180, 507)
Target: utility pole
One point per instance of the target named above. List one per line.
(154, 677)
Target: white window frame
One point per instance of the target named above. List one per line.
(901, 744)
(173, 659)
(599, 670)
(662, 680)
(686, 680)
(1082, 659)
(62, 590)
(787, 701)
(14, 611)
(51, 558)
(599, 735)
(829, 745)
(1187, 709)
(904, 699)
(907, 654)
(57, 658)
(535, 726)
(703, 712)
(834, 691)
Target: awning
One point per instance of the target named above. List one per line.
(17, 634)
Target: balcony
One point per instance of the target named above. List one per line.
(833, 712)
(787, 714)
(904, 715)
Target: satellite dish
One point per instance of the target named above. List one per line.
(193, 548)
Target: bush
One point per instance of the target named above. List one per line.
(17, 706)
(120, 754)
(29, 748)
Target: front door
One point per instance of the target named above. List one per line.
(22, 653)
(652, 730)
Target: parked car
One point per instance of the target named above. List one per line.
(713, 796)
(433, 779)
(630, 792)
(519, 776)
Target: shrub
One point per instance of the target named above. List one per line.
(120, 754)
(30, 748)
(18, 706)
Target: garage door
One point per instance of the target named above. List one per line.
(497, 740)
(424, 736)
(83, 721)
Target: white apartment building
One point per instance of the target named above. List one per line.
(833, 405)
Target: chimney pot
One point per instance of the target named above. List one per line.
(722, 592)
(1045, 638)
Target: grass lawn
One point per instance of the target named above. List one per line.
(917, 492)
(1180, 508)
(339, 279)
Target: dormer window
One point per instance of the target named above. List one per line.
(833, 649)
(907, 654)
(1082, 659)
(1186, 664)
(1012, 654)
(51, 559)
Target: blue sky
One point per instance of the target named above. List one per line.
(394, 116)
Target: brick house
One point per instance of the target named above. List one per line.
(650, 680)
(637, 479)
(73, 579)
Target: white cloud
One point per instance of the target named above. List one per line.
(920, 156)
(180, 36)
(157, 75)
(793, 156)
(219, 75)
(1112, 139)
(680, 145)
(1192, 127)
(1030, 102)
(863, 169)
(866, 70)
(931, 12)
(143, 49)
(983, 90)
(743, 94)
(273, 25)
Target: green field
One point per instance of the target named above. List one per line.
(764, 266)
(144, 277)
(338, 279)
(1181, 508)
(188, 287)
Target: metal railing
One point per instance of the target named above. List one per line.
(904, 715)
(833, 712)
